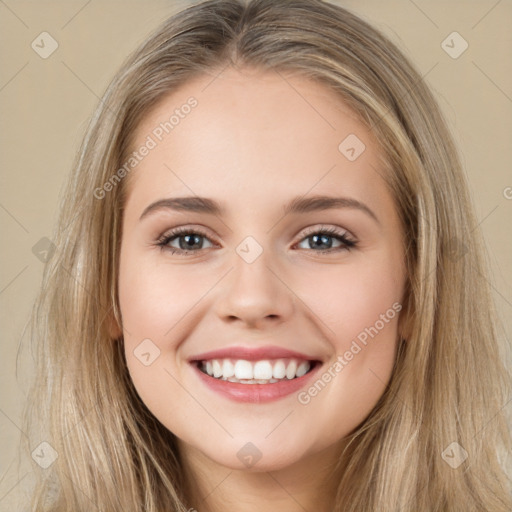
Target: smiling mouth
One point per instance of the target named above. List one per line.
(267, 371)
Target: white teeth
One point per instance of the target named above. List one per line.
(302, 369)
(255, 372)
(279, 370)
(291, 369)
(217, 368)
(243, 370)
(263, 370)
(228, 369)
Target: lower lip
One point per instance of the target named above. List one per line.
(256, 393)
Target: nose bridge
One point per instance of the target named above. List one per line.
(252, 274)
(254, 291)
(253, 262)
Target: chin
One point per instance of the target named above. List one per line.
(257, 455)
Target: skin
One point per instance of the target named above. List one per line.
(253, 143)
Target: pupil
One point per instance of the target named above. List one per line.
(322, 239)
(187, 244)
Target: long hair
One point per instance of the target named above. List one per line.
(448, 385)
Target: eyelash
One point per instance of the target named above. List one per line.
(348, 244)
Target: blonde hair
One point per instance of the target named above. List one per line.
(448, 385)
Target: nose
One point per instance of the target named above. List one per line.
(255, 295)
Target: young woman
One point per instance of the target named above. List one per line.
(268, 290)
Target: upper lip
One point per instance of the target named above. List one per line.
(252, 354)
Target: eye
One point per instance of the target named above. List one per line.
(190, 240)
(317, 237)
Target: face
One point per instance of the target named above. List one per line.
(260, 322)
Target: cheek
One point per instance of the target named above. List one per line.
(352, 299)
(360, 306)
(159, 304)
(154, 297)
(156, 302)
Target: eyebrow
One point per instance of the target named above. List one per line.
(298, 205)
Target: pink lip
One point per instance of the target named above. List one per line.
(255, 393)
(251, 354)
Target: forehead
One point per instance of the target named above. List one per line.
(264, 132)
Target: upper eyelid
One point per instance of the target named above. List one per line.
(323, 227)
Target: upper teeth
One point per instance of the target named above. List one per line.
(259, 370)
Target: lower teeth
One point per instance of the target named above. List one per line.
(249, 381)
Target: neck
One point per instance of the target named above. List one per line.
(308, 484)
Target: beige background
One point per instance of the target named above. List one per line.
(45, 104)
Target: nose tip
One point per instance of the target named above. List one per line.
(255, 294)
